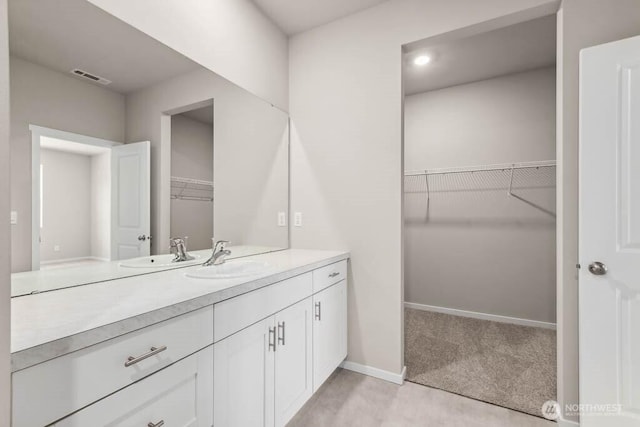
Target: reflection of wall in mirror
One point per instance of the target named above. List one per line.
(48, 98)
(250, 157)
(66, 222)
(192, 157)
(76, 208)
(101, 206)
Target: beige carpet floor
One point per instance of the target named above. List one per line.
(508, 365)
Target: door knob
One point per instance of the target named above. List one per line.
(142, 237)
(597, 268)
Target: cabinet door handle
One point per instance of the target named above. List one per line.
(334, 274)
(318, 311)
(272, 344)
(131, 360)
(158, 424)
(281, 329)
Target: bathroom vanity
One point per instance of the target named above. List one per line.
(169, 349)
(115, 320)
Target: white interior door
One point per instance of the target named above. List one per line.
(131, 206)
(610, 234)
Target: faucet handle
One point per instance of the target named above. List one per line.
(219, 245)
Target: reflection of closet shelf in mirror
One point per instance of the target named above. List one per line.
(191, 189)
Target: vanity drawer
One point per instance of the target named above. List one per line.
(329, 275)
(180, 395)
(237, 313)
(51, 390)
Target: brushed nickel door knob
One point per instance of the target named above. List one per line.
(597, 268)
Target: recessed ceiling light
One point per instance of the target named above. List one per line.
(422, 60)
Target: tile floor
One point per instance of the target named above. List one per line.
(349, 399)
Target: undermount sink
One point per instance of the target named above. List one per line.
(229, 270)
(158, 261)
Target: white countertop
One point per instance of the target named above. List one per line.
(51, 324)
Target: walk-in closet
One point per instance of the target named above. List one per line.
(480, 214)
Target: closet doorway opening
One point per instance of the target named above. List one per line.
(480, 214)
(192, 175)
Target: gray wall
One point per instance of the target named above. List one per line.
(5, 233)
(347, 167)
(232, 38)
(66, 212)
(101, 206)
(192, 157)
(581, 23)
(47, 98)
(482, 251)
(247, 131)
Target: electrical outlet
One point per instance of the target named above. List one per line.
(14, 217)
(297, 219)
(56, 248)
(282, 219)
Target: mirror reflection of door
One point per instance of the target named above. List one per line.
(91, 200)
(192, 177)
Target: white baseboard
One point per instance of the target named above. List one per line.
(375, 372)
(482, 316)
(64, 260)
(68, 260)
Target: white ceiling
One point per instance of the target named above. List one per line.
(63, 35)
(301, 15)
(512, 49)
(71, 147)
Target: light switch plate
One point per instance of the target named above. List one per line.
(297, 219)
(14, 217)
(282, 219)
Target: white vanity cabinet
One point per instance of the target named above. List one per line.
(263, 373)
(47, 392)
(329, 331)
(252, 360)
(179, 395)
(266, 368)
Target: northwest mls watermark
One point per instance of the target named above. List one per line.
(551, 409)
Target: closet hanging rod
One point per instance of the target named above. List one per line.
(182, 180)
(487, 168)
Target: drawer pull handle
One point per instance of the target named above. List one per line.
(318, 311)
(332, 275)
(154, 350)
(158, 424)
(272, 344)
(281, 328)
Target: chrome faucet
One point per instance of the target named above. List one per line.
(178, 247)
(219, 253)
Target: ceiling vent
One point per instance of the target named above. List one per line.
(89, 76)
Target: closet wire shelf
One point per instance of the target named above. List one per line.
(509, 178)
(191, 189)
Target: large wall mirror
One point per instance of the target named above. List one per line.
(120, 146)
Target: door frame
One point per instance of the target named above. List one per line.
(477, 29)
(164, 224)
(37, 132)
